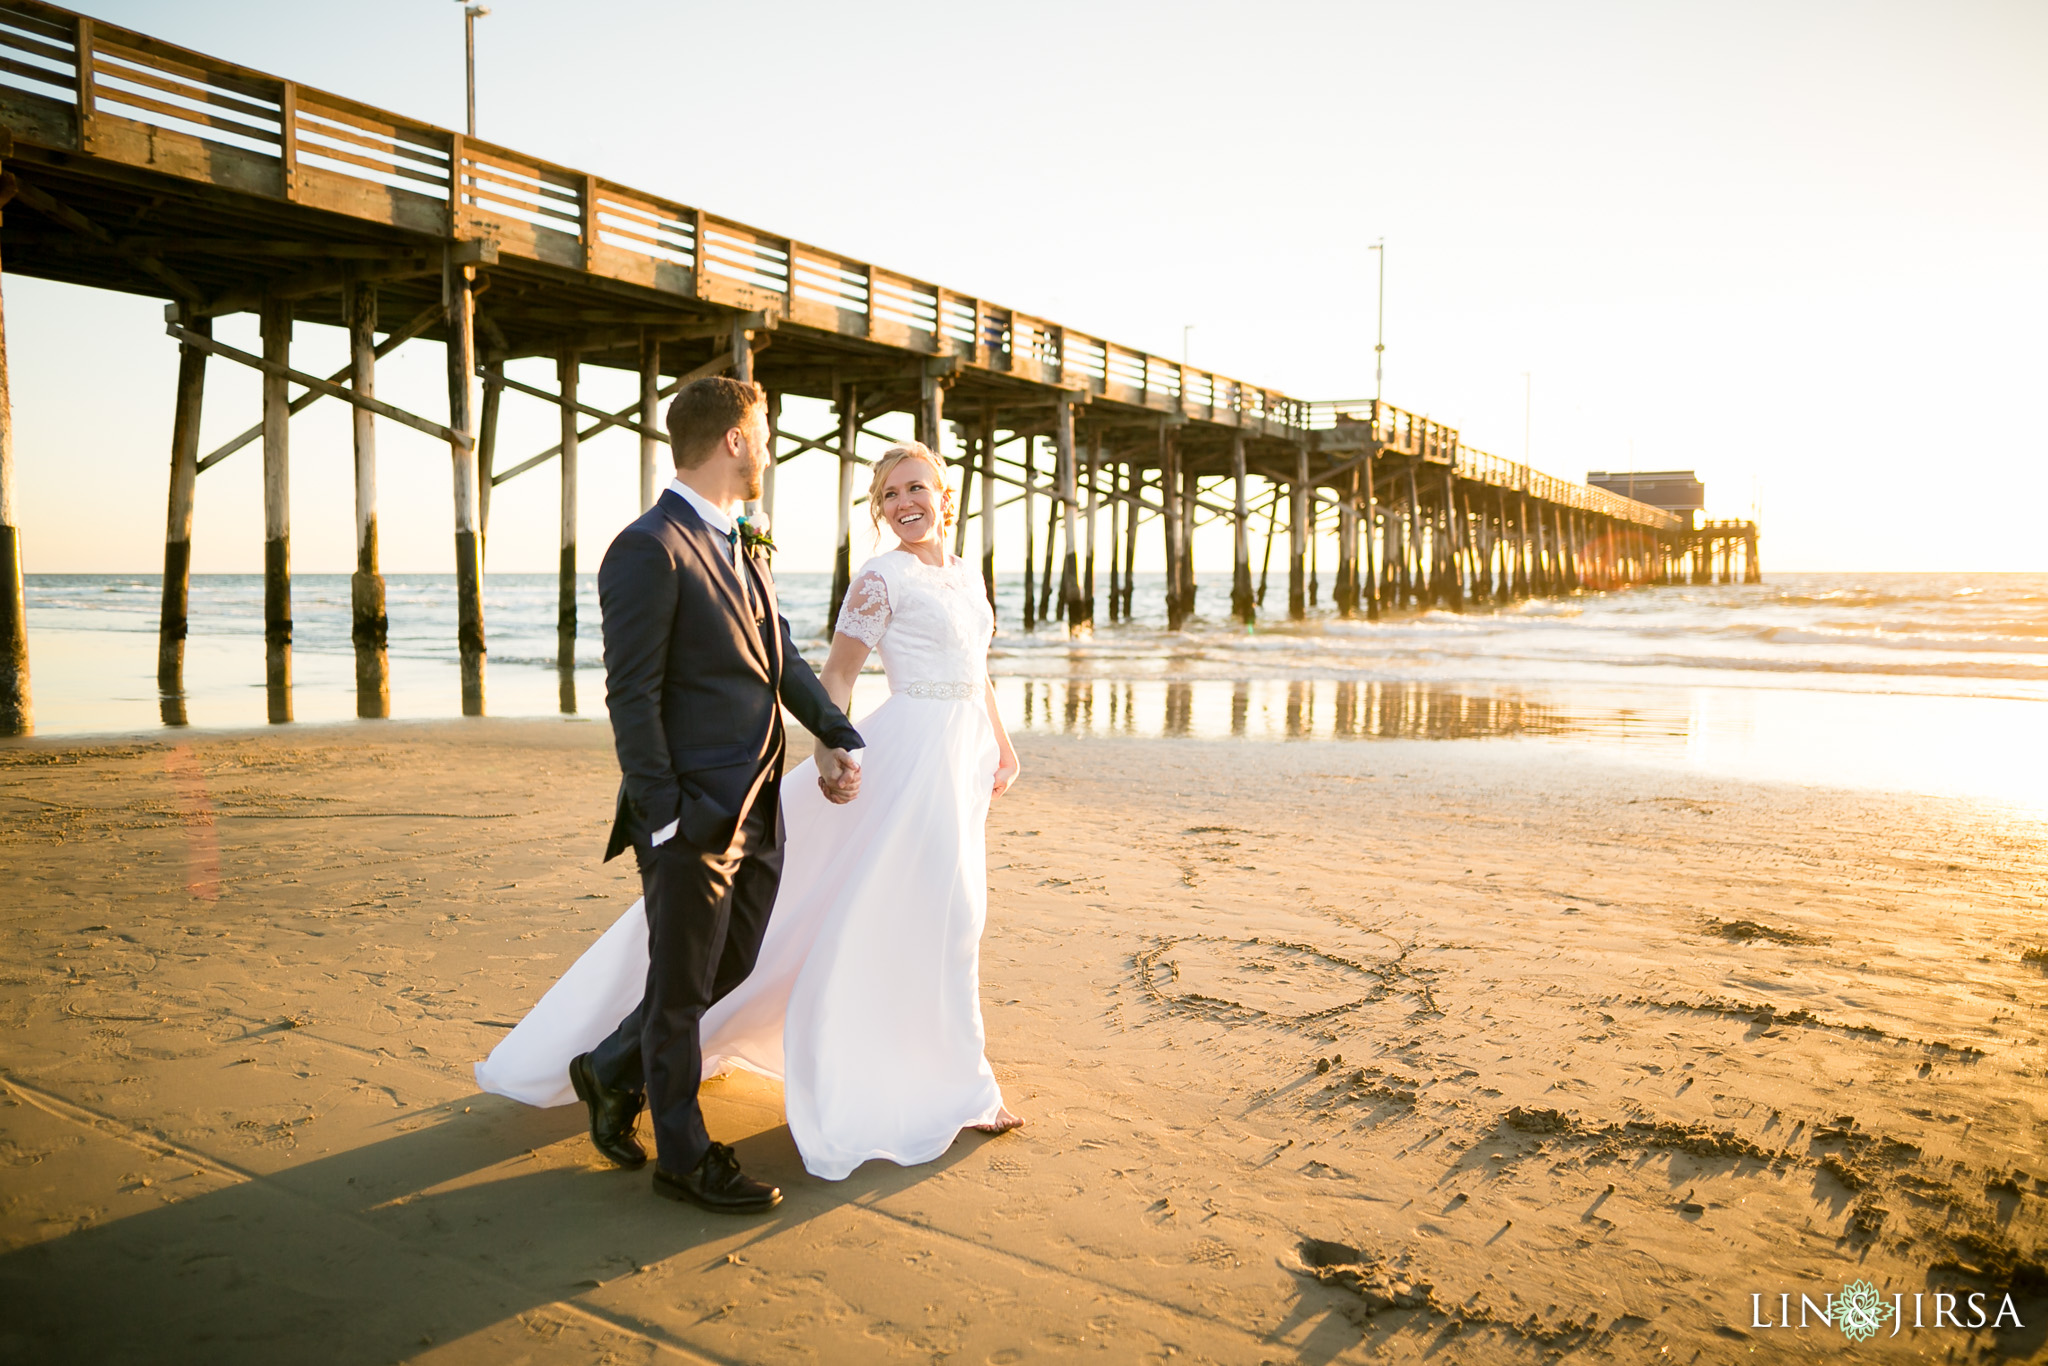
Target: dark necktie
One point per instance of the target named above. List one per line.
(739, 566)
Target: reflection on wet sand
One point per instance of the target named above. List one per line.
(1301, 709)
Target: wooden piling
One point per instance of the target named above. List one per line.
(1370, 568)
(462, 450)
(17, 706)
(1454, 544)
(1171, 524)
(177, 585)
(1242, 605)
(1752, 570)
(369, 623)
(650, 416)
(1414, 587)
(1114, 598)
(1069, 500)
(842, 553)
(766, 502)
(988, 503)
(568, 380)
(1190, 499)
(1297, 536)
(487, 453)
(276, 324)
(1094, 497)
(1133, 515)
(1030, 564)
(1347, 550)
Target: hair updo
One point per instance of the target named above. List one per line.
(886, 465)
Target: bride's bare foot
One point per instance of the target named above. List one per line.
(1001, 1124)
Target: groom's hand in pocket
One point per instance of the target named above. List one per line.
(838, 776)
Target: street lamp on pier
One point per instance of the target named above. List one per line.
(470, 14)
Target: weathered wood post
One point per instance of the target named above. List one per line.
(1171, 524)
(276, 322)
(1115, 519)
(1133, 514)
(1069, 497)
(1454, 544)
(462, 451)
(369, 624)
(767, 499)
(568, 379)
(1242, 605)
(842, 553)
(1415, 589)
(487, 454)
(1347, 549)
(1752, 569)
(1030, 562)
(963, 506)
(1370, 567)
(650, 416)
(17, 708)
(1190, 499)
(177, 594)
(988, 503)
(1094, 497)
(1297, 536)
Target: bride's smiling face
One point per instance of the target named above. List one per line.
(910, 502)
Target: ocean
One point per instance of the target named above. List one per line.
(1935, 683)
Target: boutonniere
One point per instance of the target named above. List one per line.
(754, 537)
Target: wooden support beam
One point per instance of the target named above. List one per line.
(1347, 553)
(469, 595)
(324, 279)
(1297, 537)
(426, 318)
(1094, 497)
(568, 378)
(487, 455)
(715, 365)
(1030, 487)
(285, 374)
(369, 627)
(1069, 493)
(842, 552)
(766, 502)
(1172, 524)
(277, 572)
(988, 503)
(650, 415)
(17, 707)
(1242, 604)
(572, 406)
(177, 585)
(54, 209)
(1370, 567)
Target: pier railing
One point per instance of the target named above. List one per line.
(70, 81)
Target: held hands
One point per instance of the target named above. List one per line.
(1006, 774)
(838, 775)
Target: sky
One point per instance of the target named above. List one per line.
(1796, 247)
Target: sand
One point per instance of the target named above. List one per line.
(1330, 1051)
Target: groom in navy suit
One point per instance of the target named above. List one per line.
(698, 666)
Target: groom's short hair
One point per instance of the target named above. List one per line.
(704, 412)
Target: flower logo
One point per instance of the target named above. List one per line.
(1860, 1311)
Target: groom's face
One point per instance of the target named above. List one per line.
(753, 454)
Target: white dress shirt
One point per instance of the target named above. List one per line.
(720, 519)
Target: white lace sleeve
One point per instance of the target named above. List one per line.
(865, 613)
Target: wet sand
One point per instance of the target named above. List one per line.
(1330, 1051)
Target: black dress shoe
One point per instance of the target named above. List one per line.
(611, 1115)
(716, 1183)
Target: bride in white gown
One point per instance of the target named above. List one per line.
(866, 998)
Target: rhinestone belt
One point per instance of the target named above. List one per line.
(945, 692)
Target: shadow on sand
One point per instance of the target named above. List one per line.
(372, 1254)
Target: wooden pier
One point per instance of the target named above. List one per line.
(131, 164)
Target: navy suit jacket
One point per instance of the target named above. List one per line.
(696, 674)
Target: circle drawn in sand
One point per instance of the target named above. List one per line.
(1244, 979)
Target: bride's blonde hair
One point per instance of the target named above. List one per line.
(886, 465)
